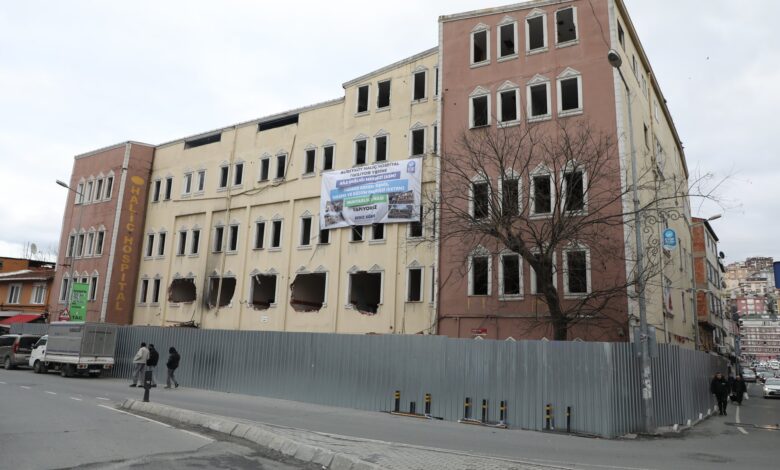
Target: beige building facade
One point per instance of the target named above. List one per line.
(232, 237)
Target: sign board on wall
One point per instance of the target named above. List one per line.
(382, 193)
(669, 239)
(78, 301)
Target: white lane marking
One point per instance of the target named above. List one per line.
(51, 393)
(24, 387)
(74, 398)
(197, 435)
(137, 416)
(741, 429)
(103, 398)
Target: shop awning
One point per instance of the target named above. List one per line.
(18, 319)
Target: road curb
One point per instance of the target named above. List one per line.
(260, 435)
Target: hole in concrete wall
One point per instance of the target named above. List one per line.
(307, 292)
(182, 290)
(263, 292)
(365, 291)
(225, 292)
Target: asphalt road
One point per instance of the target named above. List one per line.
(47, 422)
(716, 443)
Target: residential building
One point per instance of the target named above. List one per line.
(546, 62)
(102, 231)
(25, 286)
(233, 236)
(713, 321)
(759, 337)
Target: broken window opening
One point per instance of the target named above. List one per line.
(276, 236)
(383, 100)
(281, 166)
(225, 291)
(507, 32)
(238, 176)
(480, 201)
(570, 94)
(510, 265)
(327, 159)
(223, 176)
(542, 194)
(419, 85)
(575, 191)
(233, 238)
(414, 283)
(357, 233)
(305, 231)
(509, 106)
(479, 52)
(362, 101)
(381, 148)
(263, 292)
(539, 100)
(324, 236)
(310, 158)
(360, 152)
(182, 290)
(480, 274)
(265, 167)
(510, 197)
(536, 33)
(567, 29)
(365, 291)
(479, 111)
(418, 142)
(307, 292)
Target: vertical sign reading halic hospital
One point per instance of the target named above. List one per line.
(127, 242)
(382, 193)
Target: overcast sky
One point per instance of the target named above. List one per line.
(79, 75)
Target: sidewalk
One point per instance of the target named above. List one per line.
(330, 450)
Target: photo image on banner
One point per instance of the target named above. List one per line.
(383, 193)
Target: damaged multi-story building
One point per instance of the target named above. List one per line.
(233, 236)
(240, 232)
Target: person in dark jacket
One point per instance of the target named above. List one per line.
(151, 363)
(720, 388)
(738, 390)
(173, 364)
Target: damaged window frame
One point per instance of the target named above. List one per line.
(304, 241)
(477, 120)
(483, 30)
(411, 284)
(356, 234)
(381, 142)
(143, 291)
(220, 291)
(254, 283)
(532, 91)
(259, 243)
(507, 277)
(420, 86)
(233, 238)
(417, 142)
(265, 169)
(195, 243)
(168, 188)
(201, 181)
(219, 239)
(172, 289)
(377, 233)
(309, 161)
(156, 291)
(351, 287)
(500, 41)
(480, 290)
(313, 304)
(324, 237)
(181, 249)
(187, 184)
(361, 152)
(383, 95)
(328, 161)
(568, 81)
(362, 99)
(558, 25)
(238, 174)
(529, 26)
(276, 235)
(224, 177)
(281, 166)
(149, 245)
(161, 244)
(157, 189)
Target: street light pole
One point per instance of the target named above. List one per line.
(644, 353)
(75, 240)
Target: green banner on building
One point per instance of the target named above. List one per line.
(78, 301)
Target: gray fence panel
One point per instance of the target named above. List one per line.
(599, 381)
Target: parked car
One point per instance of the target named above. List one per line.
(772, 388)
(748, 375)
(764, 375)
(15, 349)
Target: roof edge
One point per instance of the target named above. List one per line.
(497, 10)
(111, 147)
(381, 70)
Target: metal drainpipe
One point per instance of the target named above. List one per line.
(228, 198)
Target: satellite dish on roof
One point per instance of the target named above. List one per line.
(33, 248)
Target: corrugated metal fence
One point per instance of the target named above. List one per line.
(598, 381)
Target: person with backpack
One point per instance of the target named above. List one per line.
(151, 363)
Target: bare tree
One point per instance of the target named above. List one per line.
(577, 203)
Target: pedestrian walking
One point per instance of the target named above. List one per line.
(738, 390)
(172, 364)
(719, 387)
(151, 363)
(139, 364)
